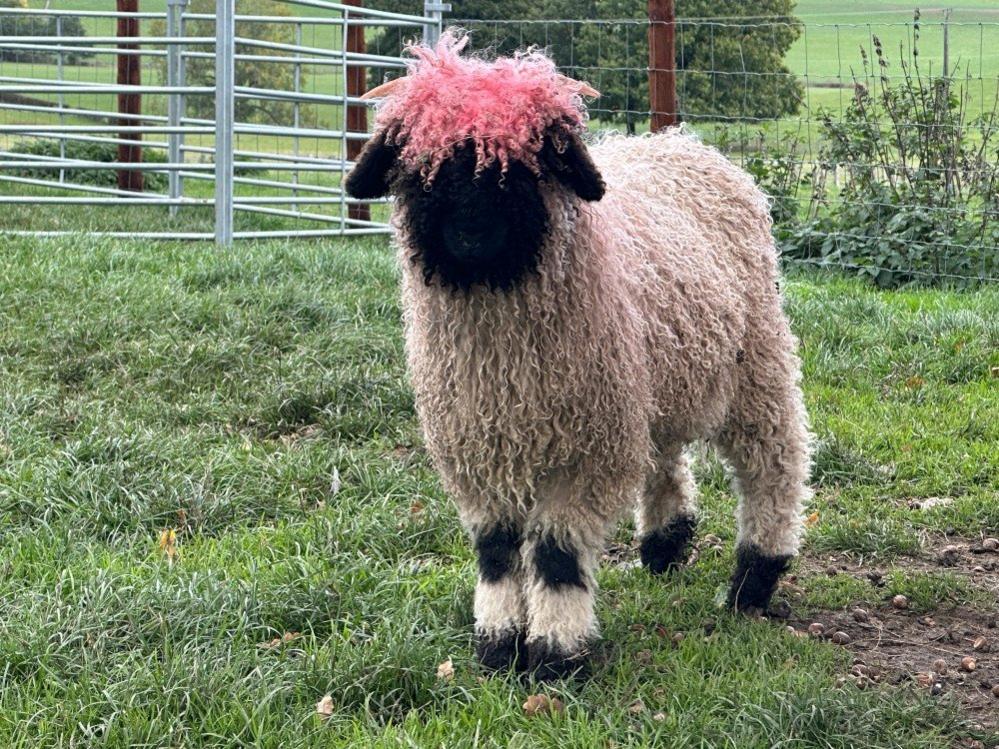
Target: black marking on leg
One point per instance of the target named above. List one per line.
(666, 548)
(500, 651)
(498, 550)
(546, 663)
(558, 567)
(755, 579)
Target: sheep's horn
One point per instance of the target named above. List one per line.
(386, 89)
(582, 87)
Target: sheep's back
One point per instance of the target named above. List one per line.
(691, 231)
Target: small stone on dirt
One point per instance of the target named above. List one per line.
(816, 629)
(940, 666)
(968, 664)
(832, 571)
(860, 615)
(991, 544)
(900, 602)
(950, 556)
(995, 691)
(980, 644)
(677, 637)
(924, 680)
(841, 638)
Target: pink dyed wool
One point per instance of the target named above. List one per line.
(501, 107)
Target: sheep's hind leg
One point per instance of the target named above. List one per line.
(666, 516)
(499, 596)
(770, 463)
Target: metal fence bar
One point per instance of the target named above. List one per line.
(225, 116)
(175, 100)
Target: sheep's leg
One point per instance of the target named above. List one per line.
(666, 516)
(769, 457)
(561, 549)
(499, 596)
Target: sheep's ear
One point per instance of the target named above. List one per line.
(565, 157)
(371, 175)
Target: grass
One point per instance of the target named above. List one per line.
(255, 402)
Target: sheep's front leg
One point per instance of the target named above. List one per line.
(499, 596)
(559, 559)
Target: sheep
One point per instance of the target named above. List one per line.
(574, 317)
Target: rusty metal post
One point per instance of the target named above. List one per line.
(662, 63)
(357, 114)
(129, 103)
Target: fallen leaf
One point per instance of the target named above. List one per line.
(279, 641)
(168, 543)
(445, 670)
(915, 382)
(416, 508)
(930, 502)
(812, 519)
(324, 708)
(538, 704)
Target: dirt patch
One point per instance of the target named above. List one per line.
(950, 652)
(936, 651)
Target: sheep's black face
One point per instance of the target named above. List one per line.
(468, 229)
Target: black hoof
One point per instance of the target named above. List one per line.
(665, 549)
(755, 579)
(545, 663)
(501, 652)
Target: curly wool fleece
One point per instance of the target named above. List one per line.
(501, 106)
(654, 319)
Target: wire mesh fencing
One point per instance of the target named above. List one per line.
(236, 114)
(875, 135)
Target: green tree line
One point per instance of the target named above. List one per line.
(730, 53)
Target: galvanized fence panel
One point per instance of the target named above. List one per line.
(243, 121)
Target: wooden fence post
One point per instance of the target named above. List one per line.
(662, 63)
(357, 114)
(129, 103)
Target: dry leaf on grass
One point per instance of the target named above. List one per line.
(168, 543)
(279, 641)
(541, 704)
(812, 519)
(324, 708)
(445, 670)
(930, 502)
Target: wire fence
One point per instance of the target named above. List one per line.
(236, 113)
(874, 134)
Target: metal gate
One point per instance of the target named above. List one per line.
(243, 120)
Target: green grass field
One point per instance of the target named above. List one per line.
(254, 401)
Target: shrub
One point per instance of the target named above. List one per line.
(83, 151)
(29, 25)
(919, 199)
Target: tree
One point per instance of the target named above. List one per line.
(33, 25)
(250, 73)
(731, 67)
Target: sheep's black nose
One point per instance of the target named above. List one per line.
(474, 245)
